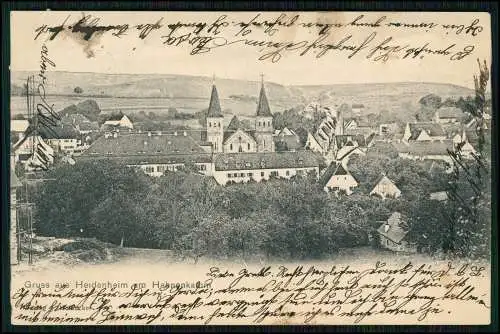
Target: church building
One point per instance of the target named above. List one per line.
(236, 138)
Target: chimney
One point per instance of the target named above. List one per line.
(149, 133)
(159, 133)
(175, 133)
(185, 134)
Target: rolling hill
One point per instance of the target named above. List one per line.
(191, 93)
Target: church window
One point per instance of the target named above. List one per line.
(230, 147)
(248, 146)
(240, 149)
(269, 123)
(259, 123)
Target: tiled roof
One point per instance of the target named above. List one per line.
(214, 109)
(263, 106)
(116, 117)
(62, 131)
(396, 230)
(433, 129)
(266, 160)
(421, 148)
(235, 124)
(143, 159)
(142, 144)
(450, 112)
(333, 169)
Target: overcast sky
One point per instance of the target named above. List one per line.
(129, 54)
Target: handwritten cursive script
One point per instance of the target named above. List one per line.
(301, 295)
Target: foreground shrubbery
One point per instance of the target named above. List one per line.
(192, 214)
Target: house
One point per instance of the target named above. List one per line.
(287, 140)
(258, 166)
(425, 150)
(385, 188)
(393, 232)
(423, 131)
(336, 177)
(62, 138)
(448, 115)
(154, 153)
(119, 121)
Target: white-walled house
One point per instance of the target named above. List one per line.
(258, 166)
(448, 115)
(154, 153)
(392, 234)
(119, 121)
(385, 188)
(423, 131)
(337, 178)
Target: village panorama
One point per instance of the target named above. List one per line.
(302, 182)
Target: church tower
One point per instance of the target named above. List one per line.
(215, 122)
(264, 123)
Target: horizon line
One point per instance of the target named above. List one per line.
(258, 80)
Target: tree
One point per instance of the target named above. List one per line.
(431, 101)
(78, 90)
(65, 206)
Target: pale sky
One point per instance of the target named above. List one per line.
(129, 54)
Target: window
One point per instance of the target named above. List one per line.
(230, 147)
(240, 149)
(249, 146)
(202, 167)
(209, 124)
(287, 173)
(262, 174)
(269, 123)
(218, 124)
(274, 173)
(259, 123)
(242, 174)
(150, 169)
(250, 174)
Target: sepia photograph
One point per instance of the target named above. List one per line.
(250, 168)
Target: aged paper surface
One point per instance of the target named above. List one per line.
(250, 168)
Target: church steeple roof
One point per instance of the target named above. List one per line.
(263, 106)
(214, 109)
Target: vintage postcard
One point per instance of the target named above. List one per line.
(250, 168)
